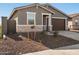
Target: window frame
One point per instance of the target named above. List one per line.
(16, 20)
(34, 18)
(76, 22)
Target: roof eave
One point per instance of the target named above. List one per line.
(60, 11)
(15, 9)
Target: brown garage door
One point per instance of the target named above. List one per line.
(58, 24)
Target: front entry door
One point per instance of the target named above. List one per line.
(45, 22)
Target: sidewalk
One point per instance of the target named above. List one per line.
(69, 47)
(67, 50)
(56, 52)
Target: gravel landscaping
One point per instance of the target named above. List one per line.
(15, 44)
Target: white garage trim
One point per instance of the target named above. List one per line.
(65, 20)
(66, 24)
(59, 17)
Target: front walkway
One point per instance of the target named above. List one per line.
(73, 35)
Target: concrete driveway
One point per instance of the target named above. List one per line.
(73, 35)
(72, 47)
(67, 50)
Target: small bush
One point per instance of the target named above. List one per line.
(32, 27)
(43, 32)
(55, 33)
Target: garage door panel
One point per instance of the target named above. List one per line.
(58, 24)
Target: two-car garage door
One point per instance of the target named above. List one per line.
(58, 24)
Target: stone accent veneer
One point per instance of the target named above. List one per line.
(28, 28)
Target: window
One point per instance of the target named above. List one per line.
(31, 18)
(16, 19)
(76, 22)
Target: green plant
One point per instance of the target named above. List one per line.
(32, 27)
(43, 32)
(55, 33)
(1, 34)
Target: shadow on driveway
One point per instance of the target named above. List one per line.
(47, 40)
(55, 42)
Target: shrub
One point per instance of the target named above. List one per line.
(55, 33)
(32, 27)
(43, 32)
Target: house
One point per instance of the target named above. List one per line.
(70, 27)
(38, 17)
(74, 21)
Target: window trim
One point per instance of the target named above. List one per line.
(16, 20)
(76, 22)
(34, 18)
(49, 14)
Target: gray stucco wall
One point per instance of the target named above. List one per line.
(23, 15)
(22, 18)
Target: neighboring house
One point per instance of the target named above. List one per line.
(39, 17)
(70, 27)
(75, 21)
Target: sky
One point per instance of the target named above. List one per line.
(68, 8)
